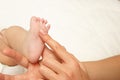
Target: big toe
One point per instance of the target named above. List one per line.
(34, 24)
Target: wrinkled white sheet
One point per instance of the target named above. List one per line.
(90, 29)
(11, 70)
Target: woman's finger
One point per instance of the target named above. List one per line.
(54, 65)
(16, 56)
(59, 50)
(47, 73)
(49, 53)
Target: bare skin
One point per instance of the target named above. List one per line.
(33, 45)
(52, 69)
(28, 43)
(68, 68)
(4, 59)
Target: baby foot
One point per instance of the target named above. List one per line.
(33, 46)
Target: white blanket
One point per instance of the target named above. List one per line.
(11, 70)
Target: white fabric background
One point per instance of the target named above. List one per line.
(90, 29)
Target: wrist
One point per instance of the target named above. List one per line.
(84, 68)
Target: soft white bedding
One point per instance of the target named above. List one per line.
(90, 29)
(11, 70)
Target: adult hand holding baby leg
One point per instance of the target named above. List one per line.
(66, 67)
(32, 69)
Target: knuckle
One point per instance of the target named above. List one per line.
(65, 77)
(59, 46)
(73, 63)
(70, 73)
(47, 39)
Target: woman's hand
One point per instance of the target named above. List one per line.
(56, 65)
(32, 73)
(33, 70)
(65, 67)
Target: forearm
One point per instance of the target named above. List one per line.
(107, 69)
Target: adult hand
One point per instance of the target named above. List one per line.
(66, 68)
(32, 69)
